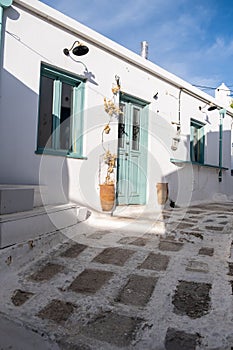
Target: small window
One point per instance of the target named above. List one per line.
(60, 113)
(197, 141)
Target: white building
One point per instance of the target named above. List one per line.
(52, 117)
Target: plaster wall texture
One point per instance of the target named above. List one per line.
(30, 39)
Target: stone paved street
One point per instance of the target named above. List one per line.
(151, 281)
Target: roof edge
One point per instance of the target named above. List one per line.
(77, 28)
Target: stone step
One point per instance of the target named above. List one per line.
(41, 195)
(22, 226)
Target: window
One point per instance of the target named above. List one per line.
(60, 113)
(197, 141)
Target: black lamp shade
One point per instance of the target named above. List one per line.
(212, 108)
(80, 50)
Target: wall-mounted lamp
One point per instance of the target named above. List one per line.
(201, 108)
(212, 107)
(78, 49)
(204, 111)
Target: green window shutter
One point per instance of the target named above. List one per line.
(78, 108)
(57, 85)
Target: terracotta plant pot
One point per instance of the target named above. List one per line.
(162, 192)
(107, 197)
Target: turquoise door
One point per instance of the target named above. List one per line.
(132, 151)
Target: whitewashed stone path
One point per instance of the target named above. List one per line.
(148, 281)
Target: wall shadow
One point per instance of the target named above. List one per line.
(18, 142)
(195, 182)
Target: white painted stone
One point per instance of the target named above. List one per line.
(82, 213)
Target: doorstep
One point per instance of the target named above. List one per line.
(22, 226)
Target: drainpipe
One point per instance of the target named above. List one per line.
(179, 111)
(176, 138)
(222, 113)
(3, 4)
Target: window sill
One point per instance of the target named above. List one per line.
(51, 152)
(178, 161)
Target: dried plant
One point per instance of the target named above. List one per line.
(110, 160)
(111, 108)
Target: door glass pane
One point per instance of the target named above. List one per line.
(136, 129)
(66, 116)
(45, 113)
(121, 127)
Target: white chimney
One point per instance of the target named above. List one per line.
(222, 95)
(144, 49)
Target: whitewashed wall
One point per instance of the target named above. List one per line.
(29, 40)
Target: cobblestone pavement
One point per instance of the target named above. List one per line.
(165, 282)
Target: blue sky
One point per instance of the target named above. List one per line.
(191, 38)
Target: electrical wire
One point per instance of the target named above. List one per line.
(212, 88)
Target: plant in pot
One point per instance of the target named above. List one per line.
(108, 160)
